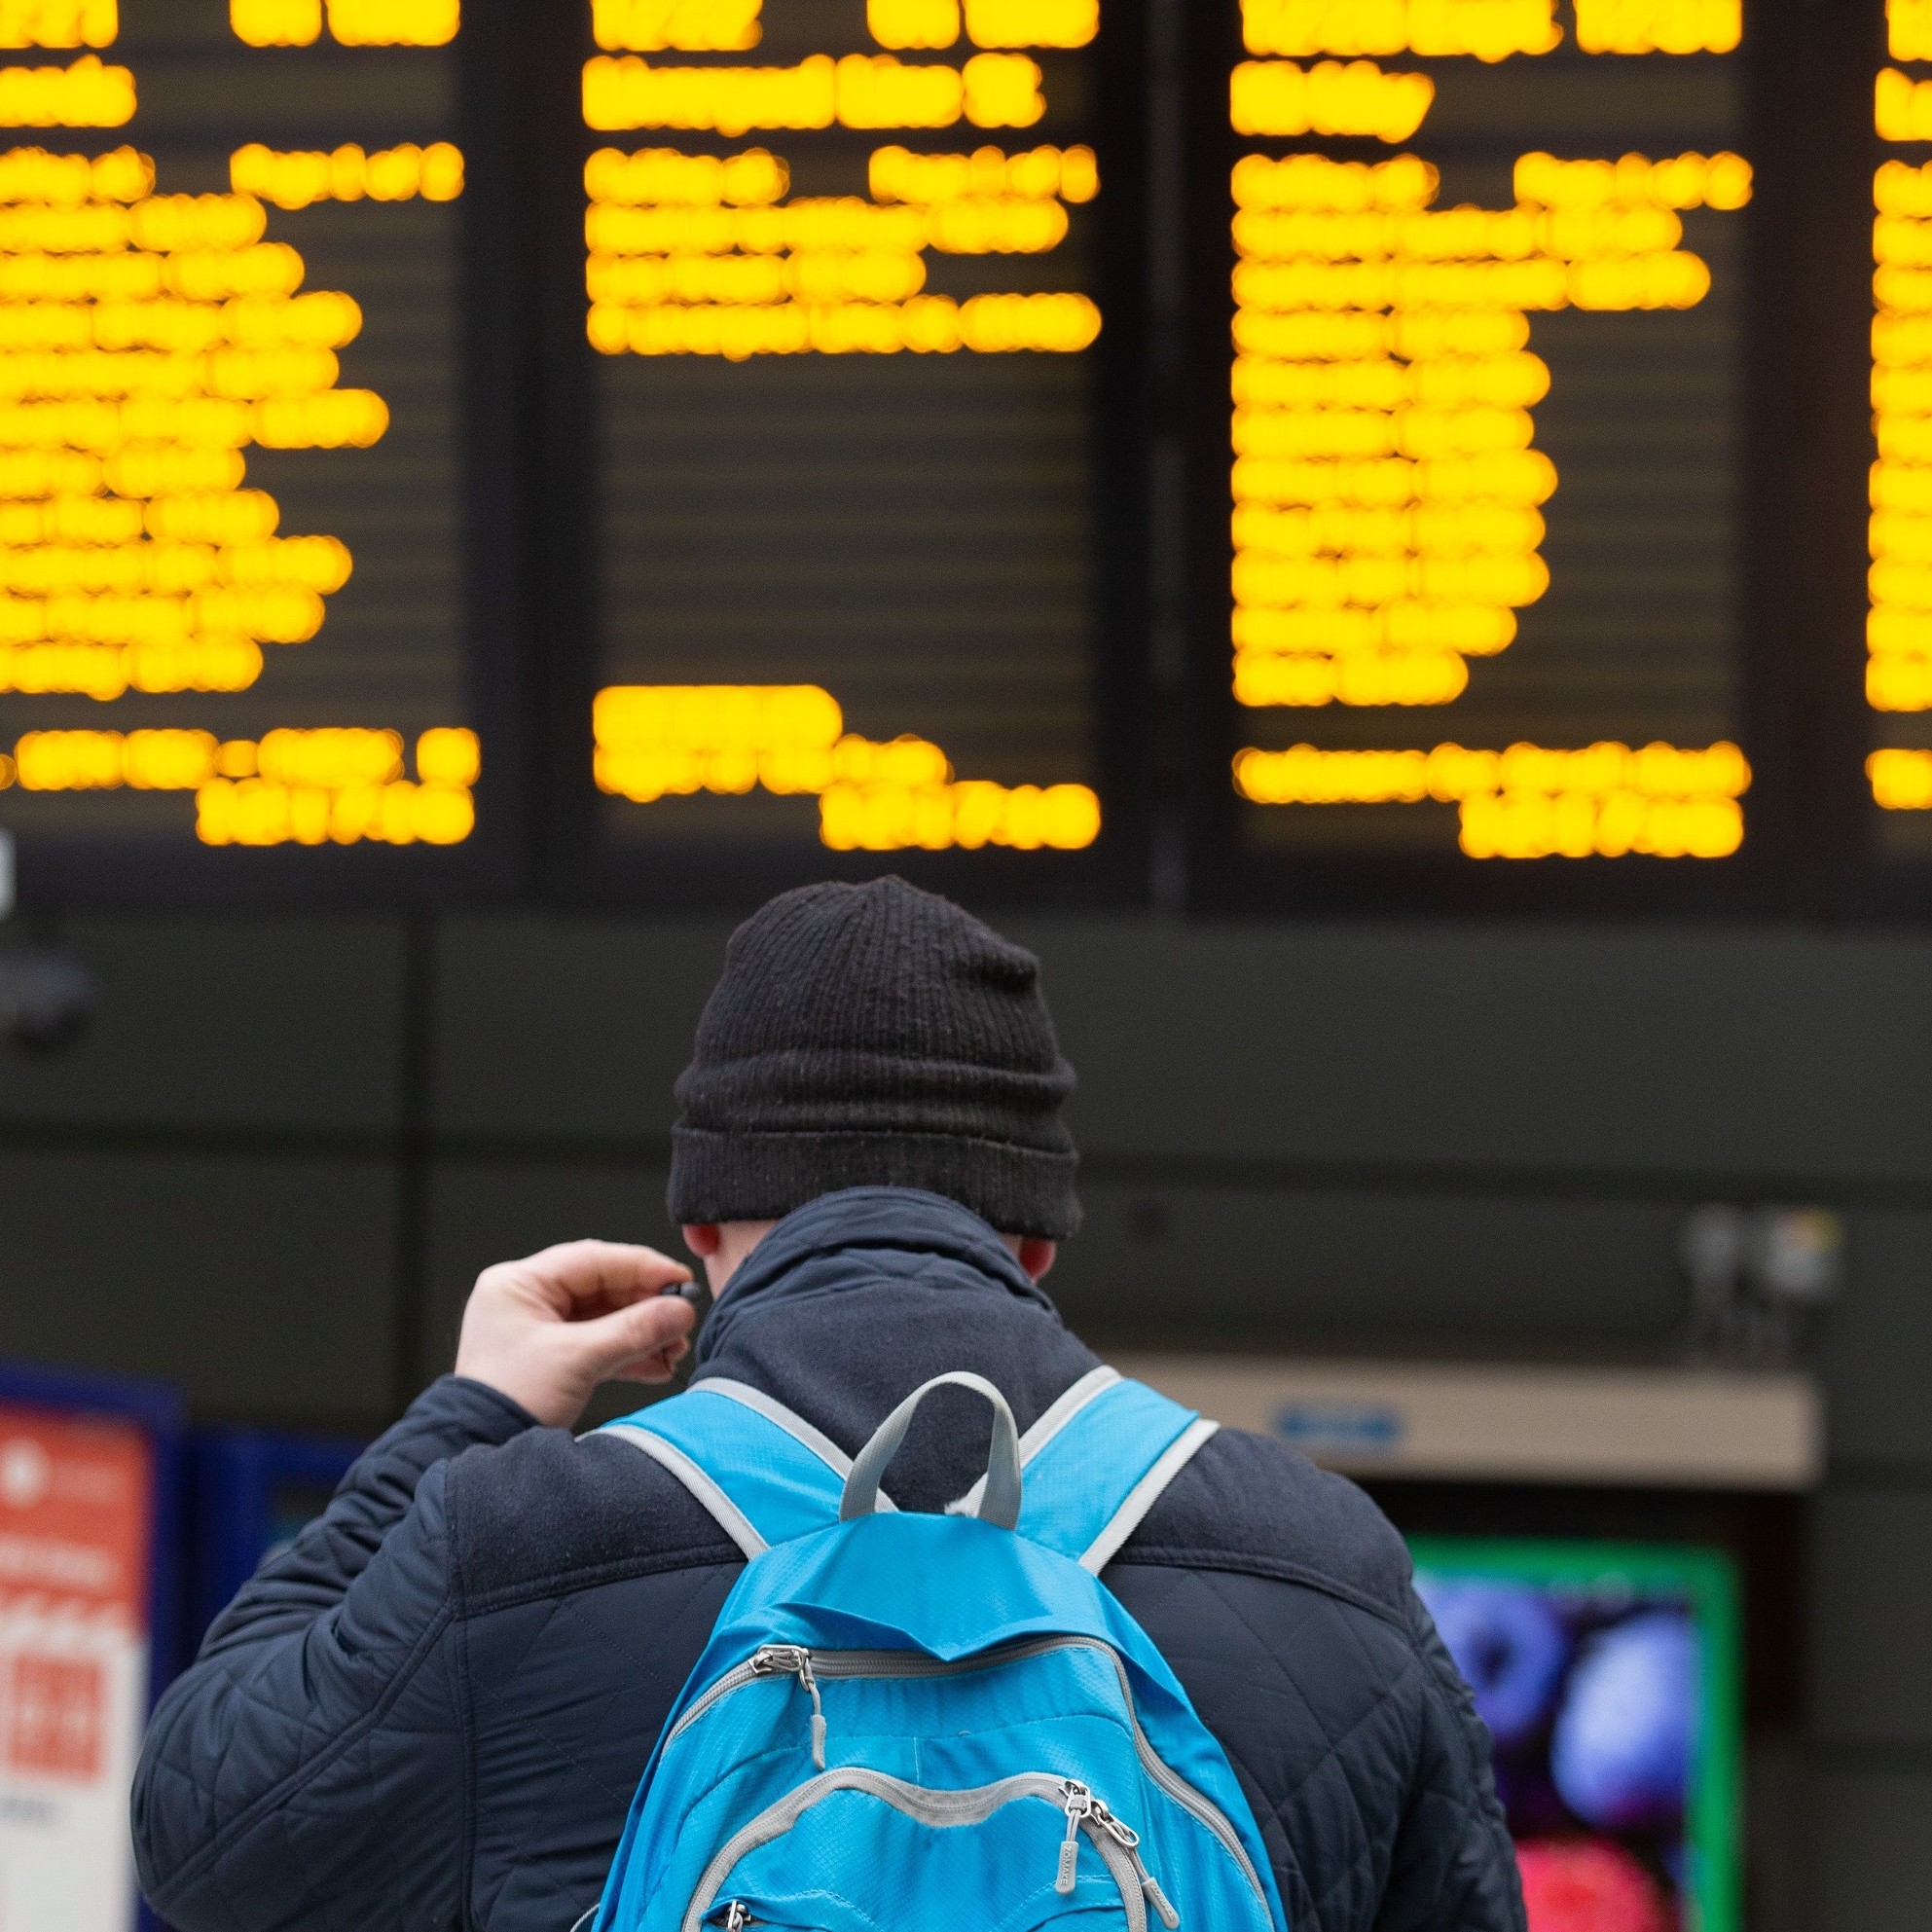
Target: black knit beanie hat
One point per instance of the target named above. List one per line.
(874, 1035)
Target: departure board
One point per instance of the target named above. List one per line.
(842, 289)
(230, 437)
(1482, 399)
(1240, 454)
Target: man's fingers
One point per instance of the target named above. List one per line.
(611, 1273)
(644, 1329)
(658, 1368)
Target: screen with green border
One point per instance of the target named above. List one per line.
(1609, 1676)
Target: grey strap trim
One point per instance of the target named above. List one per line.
(1065, 1406)
(1001, 1503)
(1145, 1494)
(790, 1421)
(586, 1918)
(726, 1513)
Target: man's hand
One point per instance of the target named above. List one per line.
(547, 1330)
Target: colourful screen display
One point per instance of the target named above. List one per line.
(1609, 1678)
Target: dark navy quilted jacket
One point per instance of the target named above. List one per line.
(434, 1711)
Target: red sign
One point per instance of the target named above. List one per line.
(76, 1534)
(74, 1504)
(58, 1712)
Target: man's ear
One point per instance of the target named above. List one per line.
(1037, 1255)
(702, 1237)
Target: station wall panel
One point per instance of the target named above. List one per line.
(1205, 1267)
(238, 1023)
(561, 1027)
(265, 1288)
(1872, 1618)
(1666, 1049)
(1870, 1863)
(1874, 1347)
(483, 1213)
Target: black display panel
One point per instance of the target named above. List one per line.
(855, 294)
(1473, 455)
(1473, 369)
(237, 646)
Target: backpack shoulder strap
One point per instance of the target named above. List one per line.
(1097, 1462)
(764, 1473)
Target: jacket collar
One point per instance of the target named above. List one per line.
(825, 1246)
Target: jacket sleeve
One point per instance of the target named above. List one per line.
(308, 1771)
(1454, 1868)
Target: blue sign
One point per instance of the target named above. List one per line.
(255, 1491)
(1337, 1427)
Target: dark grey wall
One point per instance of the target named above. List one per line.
(271, 1171)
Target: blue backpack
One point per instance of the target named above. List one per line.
(904, 1721)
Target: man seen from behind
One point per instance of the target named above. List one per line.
(431, 1713)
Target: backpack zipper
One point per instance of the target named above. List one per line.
(1086, 1811)
(776, 1660)
(794, 1661)
(1113, 1841)
(1079, 1808)
(1129, 1841)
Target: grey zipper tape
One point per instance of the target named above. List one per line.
(937, 1809)
(830, 1665)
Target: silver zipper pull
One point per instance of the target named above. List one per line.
(794, 1661)
(738, 1917)
(1129, 1841)
(1079, 1807)
(779, 1660)
(807, 1677)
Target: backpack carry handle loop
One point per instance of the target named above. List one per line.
(1001, 1503)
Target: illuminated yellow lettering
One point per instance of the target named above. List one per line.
(84, 94)
(1605, 800)
(1278, 97)
(58, 23)
(276, 23)
(395, 22)
(687, 26)
(300, 179)
(1901, 779)
(1909, 29)
(1386, 489)
(912, 24)
(1659, 26)
(878, 91)
(1031, 22)
(1003, 90)
(146, 341)
(624, 91)
(1902, 107)
(1489, 30)
(674, 740)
